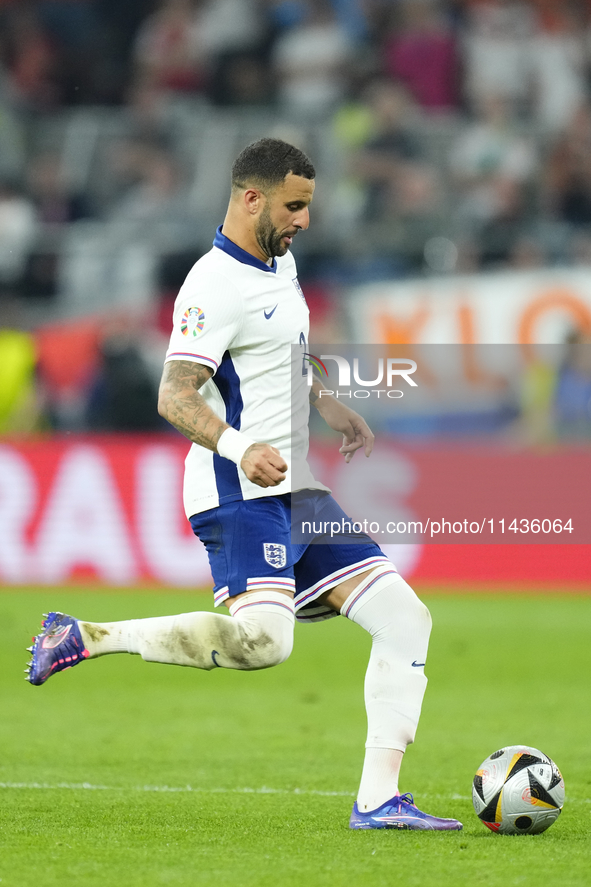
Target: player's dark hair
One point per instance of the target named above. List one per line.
(266, 163)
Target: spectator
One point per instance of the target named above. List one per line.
(492, 163)
(567, 176)
(19, 405)
(151, 114)
(12, 134)
(126, 160)
(67, 362)
(398, 180)
(558, 64)
(242, 79)
(120, 23)
(420, 50)
(158, 200)
(31, 60)
(169, 48)
(18, 228)
(536, 395)
(495, 50)
(124, 394)
(234, 43)
(573, 389)
(46, 186)
(76, 32)
(310, 62)
(55, 206)
(230, 26)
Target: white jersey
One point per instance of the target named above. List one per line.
(242, 317)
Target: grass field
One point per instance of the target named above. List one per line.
(121, 772)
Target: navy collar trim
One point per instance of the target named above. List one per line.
(228, 246)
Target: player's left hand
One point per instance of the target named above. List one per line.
(355, 430)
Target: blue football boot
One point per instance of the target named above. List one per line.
(400, 812)
(58, 646)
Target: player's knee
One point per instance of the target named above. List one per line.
(398, 609)
(277, 649)
(412, 606)
(266, 642)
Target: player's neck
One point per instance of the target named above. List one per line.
(243, 237)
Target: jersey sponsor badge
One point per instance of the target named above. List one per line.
(275, 554)
(296, 283)
(192, 322)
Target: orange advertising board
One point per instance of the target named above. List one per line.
(517, 307)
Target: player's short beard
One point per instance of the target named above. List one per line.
(268, 237)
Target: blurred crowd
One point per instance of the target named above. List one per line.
(307, 56)
(506, 83)
(457, 137)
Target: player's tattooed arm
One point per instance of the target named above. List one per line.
(180, 403)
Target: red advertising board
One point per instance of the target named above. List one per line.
(109, 510)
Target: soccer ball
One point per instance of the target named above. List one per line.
(518, 790)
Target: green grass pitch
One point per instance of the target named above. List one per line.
(122, 772)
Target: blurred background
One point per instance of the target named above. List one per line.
(452, 142)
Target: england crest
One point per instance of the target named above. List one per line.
(275, 554)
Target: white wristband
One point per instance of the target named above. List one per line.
(233, 445)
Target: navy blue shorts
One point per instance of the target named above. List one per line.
(250, 548)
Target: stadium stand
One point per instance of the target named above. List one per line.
(118, 122)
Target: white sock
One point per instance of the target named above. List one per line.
(387, 607)
(257, 634)
(379, 779)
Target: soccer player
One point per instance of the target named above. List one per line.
(227, 387)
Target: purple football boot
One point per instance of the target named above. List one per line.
(400, 812)
(58, 646)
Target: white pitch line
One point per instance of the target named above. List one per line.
(88, 786)
(57, 785)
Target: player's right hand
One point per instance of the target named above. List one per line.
(264, 465)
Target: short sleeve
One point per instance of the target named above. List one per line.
(207, 317)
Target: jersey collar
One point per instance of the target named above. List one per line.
(228, 246)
